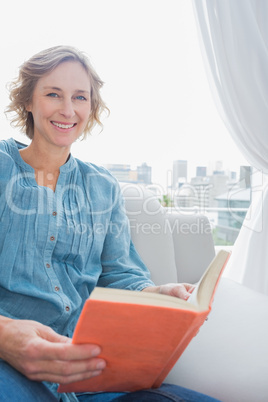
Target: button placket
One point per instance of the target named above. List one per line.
(51, 243)
(53, 230)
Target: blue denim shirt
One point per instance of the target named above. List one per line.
(55, 247)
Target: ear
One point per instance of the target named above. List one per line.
(28, 107)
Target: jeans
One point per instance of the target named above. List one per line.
(14, 387)
(166, 393)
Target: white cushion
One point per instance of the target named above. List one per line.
(193, 244)
(147, 223)
(228, 359)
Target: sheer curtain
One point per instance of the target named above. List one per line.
(234, 41)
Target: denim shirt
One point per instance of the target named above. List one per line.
(55, 247)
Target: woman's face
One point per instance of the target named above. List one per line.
(61, 105)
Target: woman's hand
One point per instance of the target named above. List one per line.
(181, 290)
(43, 355)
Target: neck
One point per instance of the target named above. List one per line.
(45, 158)
(46, 163)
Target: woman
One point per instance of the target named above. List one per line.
(57, 238)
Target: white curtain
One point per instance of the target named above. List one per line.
(234, 40)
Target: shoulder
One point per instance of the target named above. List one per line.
(101, 184)
(8, 166)
(10, 146)
(5, 145)
(98, 175)
(102, 187)
(6, 151)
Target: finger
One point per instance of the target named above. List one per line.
(180, 291)
(60, 347)
(48, 334)
(73, 352)
(45, 350)
(189, 287)
(65, 379)
(64, 370)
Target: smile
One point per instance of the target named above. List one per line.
(60, 125)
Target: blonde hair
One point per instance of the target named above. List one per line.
(21, 89)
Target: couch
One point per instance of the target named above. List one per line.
(228, 359)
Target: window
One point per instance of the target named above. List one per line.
(162, 111)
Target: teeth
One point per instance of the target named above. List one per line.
(63, 125)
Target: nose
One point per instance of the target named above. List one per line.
(67, 109)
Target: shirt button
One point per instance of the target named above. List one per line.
(52, 238)
(57, 288)
(54, 213)
(48, 265)
(67, 308)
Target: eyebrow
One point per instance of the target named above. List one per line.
(59, 89)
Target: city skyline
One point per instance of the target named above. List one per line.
(129, 173)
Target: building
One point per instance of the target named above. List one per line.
(124, 173)
(121, 171)
(201, 191)
(233, 206)
(179, 173)
(201, 171)
(144, 173)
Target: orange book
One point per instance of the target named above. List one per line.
(142, 335)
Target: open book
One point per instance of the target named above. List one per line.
(142, 335)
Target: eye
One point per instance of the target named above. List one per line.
(53, 95)
(81, 97)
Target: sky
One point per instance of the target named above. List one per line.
(147, 52)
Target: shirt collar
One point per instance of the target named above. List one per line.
(69, 165)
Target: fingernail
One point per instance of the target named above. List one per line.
(100, 365)
(96, 351)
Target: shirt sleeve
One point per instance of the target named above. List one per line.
(122, 267)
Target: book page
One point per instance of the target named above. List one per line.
(137, 297)
(193, 297)
(205, 288)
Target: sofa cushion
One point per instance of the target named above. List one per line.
(152, 240)
(193, 244)
(228, 359)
